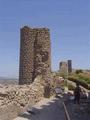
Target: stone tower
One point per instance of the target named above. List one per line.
(65, 66)
(35, 53)
(69, 66)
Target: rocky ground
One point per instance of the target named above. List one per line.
(14, 99)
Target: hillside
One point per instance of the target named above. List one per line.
(5, 81)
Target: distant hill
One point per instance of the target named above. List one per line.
(4, 80)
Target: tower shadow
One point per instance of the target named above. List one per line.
(51, 110)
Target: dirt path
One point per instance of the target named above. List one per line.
(47, 109)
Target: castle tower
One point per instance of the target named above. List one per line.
(69, 66)
(35, 53)
(65, 67)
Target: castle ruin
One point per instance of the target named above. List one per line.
(35, 54)
(65, 67)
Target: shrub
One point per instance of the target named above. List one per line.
(81, 82)
(71, 87)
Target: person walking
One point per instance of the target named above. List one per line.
(77, 94)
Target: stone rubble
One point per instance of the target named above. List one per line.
(14, 99)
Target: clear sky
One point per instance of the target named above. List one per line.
(69, 24)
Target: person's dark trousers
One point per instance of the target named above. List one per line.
(77, 99)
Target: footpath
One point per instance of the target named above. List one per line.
(46, 109)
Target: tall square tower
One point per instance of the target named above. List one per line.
(35, 53)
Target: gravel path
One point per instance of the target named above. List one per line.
(46, 109)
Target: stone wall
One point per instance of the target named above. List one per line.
(35, 54)
(69, 66)
(14, 99)
(26, 56)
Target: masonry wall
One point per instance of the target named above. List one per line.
(26, 55)
(42, 52)
(35, 54)
(69, 66)
(16, 99)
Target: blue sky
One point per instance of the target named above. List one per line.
(69, 24)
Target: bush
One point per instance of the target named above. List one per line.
(79, 71)
(81, 82)
(83, 78)
(71, 87)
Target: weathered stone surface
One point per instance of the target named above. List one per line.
(14, 99)
(35, 54)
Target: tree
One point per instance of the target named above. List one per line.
(79, 71)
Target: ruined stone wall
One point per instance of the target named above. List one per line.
(15, 99)
(42, 52)
(35, 54)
